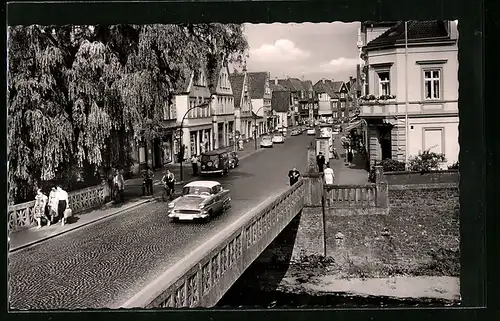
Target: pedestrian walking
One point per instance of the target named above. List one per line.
(149, 180)
(194, 164)
(53, 204)
(119, 186)
(40, 206)
(240, 144)
(320, 160)
(294, 176)
(329, 175)
(349, 156)
(62, 203)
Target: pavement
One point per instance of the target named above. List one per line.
(344, 174)
(107, 256)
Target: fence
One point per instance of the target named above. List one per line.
(341, 196)
(201, 278)
(21, 215)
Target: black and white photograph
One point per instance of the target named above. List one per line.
(224, 165)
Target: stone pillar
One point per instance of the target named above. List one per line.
(215, 133)
(312, 166)
(381, 187)
(313, 189)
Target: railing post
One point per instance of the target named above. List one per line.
(312, 166)
(381, 187)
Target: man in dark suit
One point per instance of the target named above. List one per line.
(320, 160)
(294, 176)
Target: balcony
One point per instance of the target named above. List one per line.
(387, 106)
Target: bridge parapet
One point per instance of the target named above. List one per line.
(202, 278)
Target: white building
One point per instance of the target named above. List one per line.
(197, 126)
(244, 122)
(222, 105)
(260, 93)
(429, 70)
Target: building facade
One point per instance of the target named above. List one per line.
(281, 103)
(222, 106)
(327, 100)
(244, 121)
(260, 94)
(419, 83)
(304, 101)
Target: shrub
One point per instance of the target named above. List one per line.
(392, 165)
(426, 161)
(454, 165)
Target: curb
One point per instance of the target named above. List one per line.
(142, 202)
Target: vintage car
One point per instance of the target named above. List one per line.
(278, 139)
(296, 132)
(200, 200)
(214, 162)
(311, 131)
(266, 141)
(234, 160)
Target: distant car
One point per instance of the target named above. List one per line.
(278, 139)
(214, 162)
(311, 131)
(200, 200)
(296, 132)
(266, 141)
(234, 160)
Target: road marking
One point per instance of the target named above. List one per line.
(181, 267)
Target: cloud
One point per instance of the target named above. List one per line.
(283, 50)
(339, 64)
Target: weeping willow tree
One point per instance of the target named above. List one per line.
(78, 93)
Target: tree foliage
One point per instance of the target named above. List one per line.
(426, 161)
(78, 95)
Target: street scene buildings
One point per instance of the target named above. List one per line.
(317, 167)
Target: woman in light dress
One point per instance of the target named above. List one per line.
(329, 175)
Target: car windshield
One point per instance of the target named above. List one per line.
(196, 190)
(208, 158)
(266, 138)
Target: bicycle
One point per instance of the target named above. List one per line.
(167, 193)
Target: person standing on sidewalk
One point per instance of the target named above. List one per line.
(194, 164)
(40, 205)
(62, 205)
(53, 203)
(149, 180)
(293, 175)
(320, 160)
(329, 175)
(349, 156)
(119, 185)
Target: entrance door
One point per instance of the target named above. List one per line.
(386, 144)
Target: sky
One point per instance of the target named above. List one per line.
(310, 50)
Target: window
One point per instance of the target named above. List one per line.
(335, 115)
(432, 84)
(166, 111)
(342, 104)
(342, 95)
(433, 140)
(384, 83)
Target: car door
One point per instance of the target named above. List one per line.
(217, 206)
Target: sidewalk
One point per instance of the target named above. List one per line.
(345, 175)
(133, 198)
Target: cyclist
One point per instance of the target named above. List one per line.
(168, 180)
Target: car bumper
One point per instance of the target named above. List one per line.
(187, 217)
(218, 171)
(266, 145)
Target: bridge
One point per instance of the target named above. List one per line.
(139, 259)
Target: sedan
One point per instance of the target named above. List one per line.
(234, 160)
(278, 139)
(296, 132)
(266, 142)
(200, 200)
(311, 131)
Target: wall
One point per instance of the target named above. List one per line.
(409, 178)
(256, 105)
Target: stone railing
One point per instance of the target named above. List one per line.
(21, 215)
(203, 276)
(342, 196)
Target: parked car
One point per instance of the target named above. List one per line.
(214, 162)
(311, 131)
(266, 141)
(234, 160)
(296, 132)
(278, 138)
(200, 200)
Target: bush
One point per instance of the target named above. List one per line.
(392, 165)
(454, 166)
(426, 161)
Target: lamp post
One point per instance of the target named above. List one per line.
(180, 133)
(255, 126)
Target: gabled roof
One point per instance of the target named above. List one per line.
(297, 84)
(280, 102)
(257, 84)
(286, 83)
(237, 82)
(337, 86)
(182, 84)
(325, 87)
(212, 75)
(307, 85)
(417, 30)
(278, 87)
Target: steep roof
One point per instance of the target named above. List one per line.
(337, 85)
(182, 84)
(307, 85)
(257, 84)
(297, 84)
(278, 87)
(285, 83)
(417, 30)
(280, 101)
(325, 86)
(237, 81)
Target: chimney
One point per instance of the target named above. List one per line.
(302, 78)
(452, 28)
(323, 80)
(350, 79)
(276, 80)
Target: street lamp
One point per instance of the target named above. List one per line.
(255, 126)
(180, 133)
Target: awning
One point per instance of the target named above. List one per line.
(351, 126)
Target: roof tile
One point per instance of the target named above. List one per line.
(280, 101)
